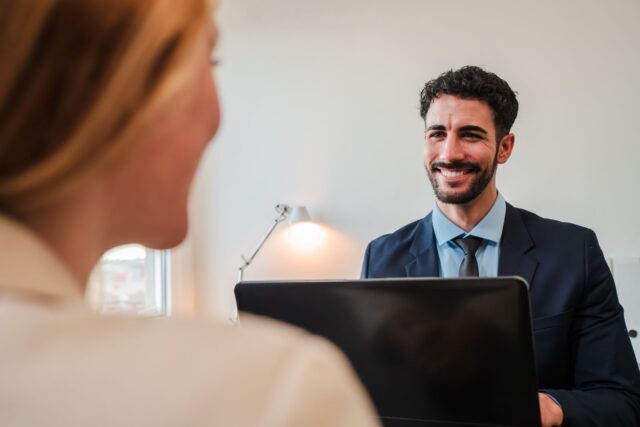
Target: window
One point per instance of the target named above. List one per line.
(131, 279)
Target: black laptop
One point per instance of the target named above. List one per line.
(431, 352)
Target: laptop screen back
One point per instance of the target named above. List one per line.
(429, 351)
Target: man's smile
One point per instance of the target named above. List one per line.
(454, 172)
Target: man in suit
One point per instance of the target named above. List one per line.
(587, 371)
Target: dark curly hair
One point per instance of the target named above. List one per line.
(471, 82)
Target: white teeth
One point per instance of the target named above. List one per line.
(451, 174)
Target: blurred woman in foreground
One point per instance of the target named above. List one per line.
(106, 107)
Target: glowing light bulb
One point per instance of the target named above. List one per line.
(306, 236)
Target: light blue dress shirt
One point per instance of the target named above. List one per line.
(490, 229)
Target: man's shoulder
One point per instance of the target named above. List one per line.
(390, 253)
(401, 238)
(539, 226)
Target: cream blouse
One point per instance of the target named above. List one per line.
(62, 365)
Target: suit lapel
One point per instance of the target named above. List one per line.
(425, 252)
(516, 242)
(514, 258)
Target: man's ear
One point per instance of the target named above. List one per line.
(505, 147)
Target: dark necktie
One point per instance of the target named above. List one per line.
(469, 266)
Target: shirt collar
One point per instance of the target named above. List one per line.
(489, 228)
(29, 265)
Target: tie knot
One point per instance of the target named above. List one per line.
(469, 244)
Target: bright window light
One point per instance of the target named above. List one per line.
(131, 279)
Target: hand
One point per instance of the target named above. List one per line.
(550, 412)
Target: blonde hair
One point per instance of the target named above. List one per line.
(79, 80)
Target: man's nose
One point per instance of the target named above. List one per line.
(452, 150)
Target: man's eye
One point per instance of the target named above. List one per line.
(437, 135)
(471, 136)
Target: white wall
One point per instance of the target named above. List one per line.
(320, 108)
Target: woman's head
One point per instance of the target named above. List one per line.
(116, 89)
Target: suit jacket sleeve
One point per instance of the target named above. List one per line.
(364, 272)
(605, 371)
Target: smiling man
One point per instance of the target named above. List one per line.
(587, 372)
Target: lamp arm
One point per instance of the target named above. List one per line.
(283, 211)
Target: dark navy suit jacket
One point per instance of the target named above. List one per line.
(583, 353)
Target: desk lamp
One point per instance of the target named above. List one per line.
(295, 214)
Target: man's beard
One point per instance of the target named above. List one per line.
(477, 186)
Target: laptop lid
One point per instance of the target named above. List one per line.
(431, 352)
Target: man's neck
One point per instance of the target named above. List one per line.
(468, 215)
